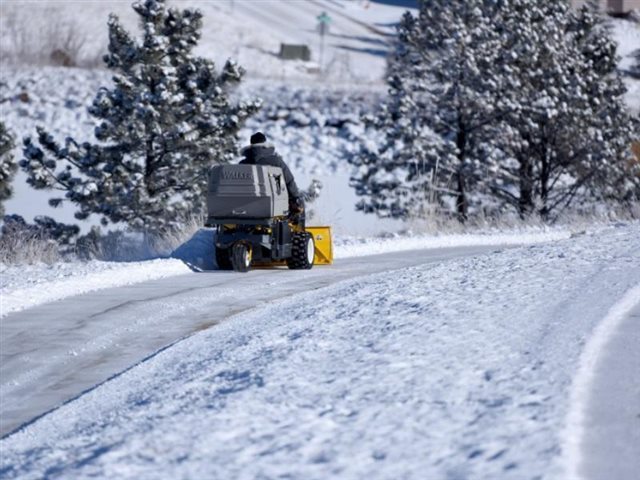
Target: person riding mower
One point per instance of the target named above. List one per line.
(258, 212)
(259, 152)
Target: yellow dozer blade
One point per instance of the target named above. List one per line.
(323, 243)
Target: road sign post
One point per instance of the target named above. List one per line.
(323, 29)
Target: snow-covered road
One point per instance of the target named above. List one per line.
(456, 368)
(53, 352)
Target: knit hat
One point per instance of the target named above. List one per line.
(258, 137)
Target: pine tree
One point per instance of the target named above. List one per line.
(8, 166)
(499, 104)
(445, 84)
(604, 165)
(166, 118)
(570, 133)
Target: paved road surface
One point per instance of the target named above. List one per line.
(611, 448)
(51, 353)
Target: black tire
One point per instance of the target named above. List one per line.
(223, 259)
(301, 252)
(241, 257)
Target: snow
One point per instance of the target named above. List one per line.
(461, 369)
(627, 34)
(21, 286)
(25, 286)
(473, 368)
(110, 330)
(357, 247)
(355, 49)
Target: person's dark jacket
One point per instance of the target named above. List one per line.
(266, 155)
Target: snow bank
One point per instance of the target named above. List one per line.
(30, 285)
(349, 247)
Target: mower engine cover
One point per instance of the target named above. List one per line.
(246, 192)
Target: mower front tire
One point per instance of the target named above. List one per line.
(302, 252)
(241, 257)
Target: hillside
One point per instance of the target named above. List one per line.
(248, 31)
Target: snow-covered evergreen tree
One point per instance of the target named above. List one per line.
(165, 120)
(8, 166)
(570, 133)
(445, 84)
(499, 103)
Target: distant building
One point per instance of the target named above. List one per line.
(616, 7)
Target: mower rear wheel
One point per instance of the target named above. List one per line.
(302, 252)
(241, 257)
(223, 259)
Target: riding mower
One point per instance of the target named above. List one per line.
(248, 205)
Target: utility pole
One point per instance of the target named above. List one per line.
(323, 28)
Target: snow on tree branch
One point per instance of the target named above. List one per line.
(8, 166)
(496, 105)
